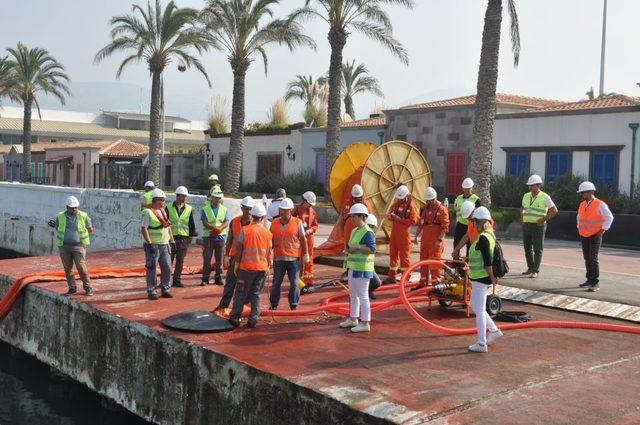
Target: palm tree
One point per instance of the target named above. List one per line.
(243, 29)
(5, 68)
(30, 71)
(312, 92)
(485, 110)
(365, 16)
(355, 81)
(158, 36)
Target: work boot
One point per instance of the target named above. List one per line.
(166, 294)
(178, 284)
(71, 291)
(534, 275)
(528, 272)
(251, 324)
(372, 295)
(478, 348)
(234, 322)
(219, 282)
(293, 307)
(594, 287)
(494, 336)
(203, 283)
(586, 284)
(152, 296)
(88, 292)
(361, 327)
(349, 323)
(389, 281)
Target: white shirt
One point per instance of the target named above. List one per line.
(273, 211)
(605, 212)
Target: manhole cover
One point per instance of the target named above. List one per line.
(197, 321)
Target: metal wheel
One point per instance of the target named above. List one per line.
(445, 303)
(494, 304)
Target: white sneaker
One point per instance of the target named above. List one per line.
(493, 336)
(477, 348)
(349, 323)
(362, 327)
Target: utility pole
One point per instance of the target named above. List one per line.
(602, 50)
(634, 129)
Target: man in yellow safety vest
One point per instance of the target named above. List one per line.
(183, 228)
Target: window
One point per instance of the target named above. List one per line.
(167, 176)
(321, 167)
(427, 130)
(224, 161)
(412, 123)
(604, 168)
(558, 164)
(465, 121)
(517, 163)
(453, 137)
(269, 164)
(441, 114)
(78, 174)
(40, 171)
(402, 137)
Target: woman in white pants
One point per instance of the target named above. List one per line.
(482, 279)
(360, 249)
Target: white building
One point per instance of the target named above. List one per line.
(590, 138)
(265, 153)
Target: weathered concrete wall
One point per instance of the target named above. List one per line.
(156, 376)
(26, 208)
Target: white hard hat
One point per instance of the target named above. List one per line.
(72, 202)
(248, 201)
(586, 187)
(158, 193)
(402, 192)
(467, 208)
(481, 213)
(213, 177)
(150, 184)
(372, 220)
(181, 190)
(310, 197)
(217, 194)
(286, 204)
(258, 210)
(534, 179)
(430, 194)
(467, 183)
(356, 191)
(359, 209)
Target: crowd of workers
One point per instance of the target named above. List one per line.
(281, 238)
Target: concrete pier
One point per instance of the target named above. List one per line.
(306, 370)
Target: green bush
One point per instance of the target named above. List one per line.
(258, 126)
(294, 184)
(507, 191)
(503, 218)
(202, 181)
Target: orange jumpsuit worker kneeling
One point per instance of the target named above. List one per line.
(309, 218)
(403, 214)
(433, 225)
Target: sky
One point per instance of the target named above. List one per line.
(560, 56)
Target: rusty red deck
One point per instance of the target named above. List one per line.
(400, 371)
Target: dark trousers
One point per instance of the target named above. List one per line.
(229, 286)
(533, 241)
(177, 258)
(211, 248)
(590, 249)
(375, 282)
(292, 270)
(458, 234)
(248, 288)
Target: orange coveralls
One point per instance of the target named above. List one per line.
(348, 224)
(400, 240)
(310, 222)
(434, 220)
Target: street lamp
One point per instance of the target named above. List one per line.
(290, 154)
(634, 129)
(207, 153)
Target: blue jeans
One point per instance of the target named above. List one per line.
(292, 269)
(375, 282)
(155, 254)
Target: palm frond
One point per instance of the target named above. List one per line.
(514, 30)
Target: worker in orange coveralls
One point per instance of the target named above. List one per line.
(357, 197)
(433, 225)
(307, 215)
(403, 214)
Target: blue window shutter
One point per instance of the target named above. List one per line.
(604, 168)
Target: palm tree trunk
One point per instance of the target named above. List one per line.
(155, 121)
(26, 140)
(348, 107)
(234, 168)
(337, 40)
(485, 112)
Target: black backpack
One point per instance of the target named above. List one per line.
(499, 264)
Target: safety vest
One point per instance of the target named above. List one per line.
(215, 220)
(286, 243)
(82, 227)
(458, 205)
(590, 220)
(256, 246)
(536, 209)
(476, 263)
(179, 222)
(236, 228)
(157, 232)
(147, 198)
(357, 261)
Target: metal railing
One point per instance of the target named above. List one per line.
(119, 176)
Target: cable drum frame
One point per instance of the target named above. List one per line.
(392, 164)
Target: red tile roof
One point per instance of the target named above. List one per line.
(610, 101)
(125, 148)
(501, 98)
(381, 120)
